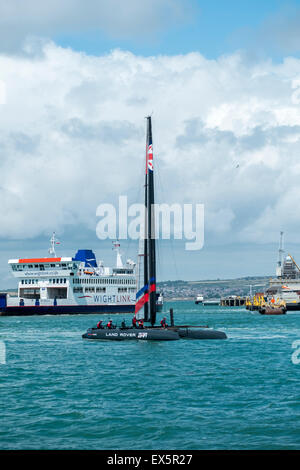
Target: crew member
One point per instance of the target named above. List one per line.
(134, 322)
(99, 324)
(109, 324)
(163, 323)
(141, 323)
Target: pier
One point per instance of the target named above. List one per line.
(233, 301)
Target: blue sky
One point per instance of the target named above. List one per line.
(212, 28)
(222, 79)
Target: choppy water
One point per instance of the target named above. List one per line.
(58, 391)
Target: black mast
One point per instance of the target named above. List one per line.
(146, 277)
(151, 225)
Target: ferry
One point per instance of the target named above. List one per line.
(71, 285)
(199, 299)
(285, 287)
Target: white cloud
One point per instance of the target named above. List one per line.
(72, 135)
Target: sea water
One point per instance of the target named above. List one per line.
(58, 391)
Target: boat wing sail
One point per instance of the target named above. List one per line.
(146, 296)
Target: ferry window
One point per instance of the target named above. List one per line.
(52, 265)
(78, 289)
(89, 289)
(61, 281)
(30, 266)
(36, 265)
(42, 267)
(22, 282)
(65, 280)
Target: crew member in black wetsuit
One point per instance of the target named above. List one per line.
(99, 325)
(141, 323)
(134, 322)
(163, 323)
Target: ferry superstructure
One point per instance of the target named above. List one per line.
(285, 287)
(79, 284)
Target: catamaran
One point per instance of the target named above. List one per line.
(146, 297)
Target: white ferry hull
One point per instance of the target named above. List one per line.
(64, 309)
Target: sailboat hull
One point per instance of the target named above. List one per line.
(190, 333)
(121, 334)
(152, 334)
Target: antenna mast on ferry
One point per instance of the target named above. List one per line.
(116, 247)
(53, 242)
(280, 256)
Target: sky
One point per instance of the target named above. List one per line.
(221, 80)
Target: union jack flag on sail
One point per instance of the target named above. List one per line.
(149, 155)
